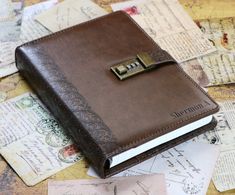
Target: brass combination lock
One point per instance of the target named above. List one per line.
(141, 63)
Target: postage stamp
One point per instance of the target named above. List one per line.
(70, 154)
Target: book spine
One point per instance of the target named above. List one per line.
(68, 106)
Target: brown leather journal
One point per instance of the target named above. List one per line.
(118, 94)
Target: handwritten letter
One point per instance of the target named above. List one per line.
(169, 26)
(32, 141)
(69, 13)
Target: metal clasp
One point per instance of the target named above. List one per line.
(129, 68)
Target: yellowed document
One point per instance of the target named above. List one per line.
(69, 13)
(170, 26)
(224, 136)
(208, 9)
(224, 133)
(224, 92)
(224, 174)
(32, 141)
(219, 66)
(142, 185)
(195, 71)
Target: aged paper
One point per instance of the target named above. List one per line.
(6, 11)
(7, 52)
(223, 92)
(169, 26)
(105, 4)
(195, 71)
(209, 9)
(10, 182)
(7, 58)
(187, 167)
(8, 69)
(32, 141)
(69, 13)
(219, 66)
(12, 25)
(10, 21)
(224, 175)
(30, 30)
(223, 135)
(144, 184)
(7, 61)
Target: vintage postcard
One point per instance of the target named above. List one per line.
(194, 69)
(32, 141)
(168, 24)
(209, 9)
(224, 136)
(134, 185)
(219, 66)
(29, 30)
(222, 93)
(69, 13)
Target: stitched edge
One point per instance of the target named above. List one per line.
(157, 131)
(101, 147)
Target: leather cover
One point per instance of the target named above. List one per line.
(70, 71)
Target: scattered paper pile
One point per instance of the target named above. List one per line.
(22, 27)
(10, 21)
(33, 142)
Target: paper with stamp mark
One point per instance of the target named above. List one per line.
(170, 27)
(219, 66)
(135, 185)
(195, 71)
(32, 141)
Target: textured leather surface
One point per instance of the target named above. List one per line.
(70, 71)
